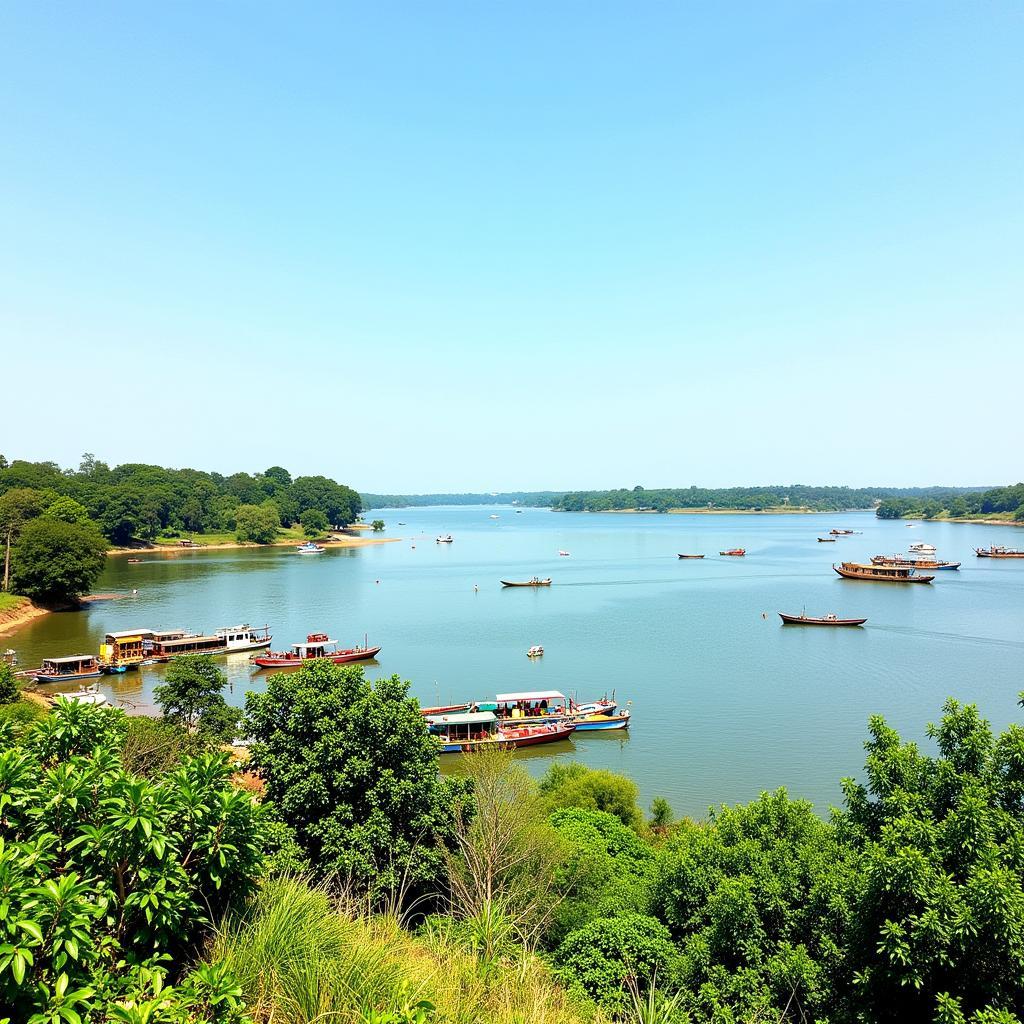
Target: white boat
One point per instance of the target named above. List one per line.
(495, 517)
(920, 546)
(309, 548)
(535, 652)
(445, 540)
(244, 637)
(86, 695)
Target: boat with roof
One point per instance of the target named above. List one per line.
(469, 731)
(310, 548)
(69, 669)
(316, 646)
(535, 581)
(880, 573)
(998, 551)
(915, 562)
(532, 706)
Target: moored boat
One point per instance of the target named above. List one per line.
(691, 556)
(997, 551)
(734, 552)
(601, 723)
(445, 709)
(310, 548)
(831, 619)
(470, 731)
(880, 573)
(536, 581)
(68, 669)
(244, 637)
(317, 645)
(916, 563)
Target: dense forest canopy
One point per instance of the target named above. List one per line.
(1006, 502)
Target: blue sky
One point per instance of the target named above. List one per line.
(461, 246)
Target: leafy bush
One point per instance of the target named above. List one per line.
(9, 693)
(56, 562)
(191, 697)
(576, 785)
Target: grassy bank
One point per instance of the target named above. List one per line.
(221, 541)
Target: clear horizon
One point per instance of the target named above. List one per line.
(569, 248)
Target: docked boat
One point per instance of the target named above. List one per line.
(535, 651)
(468, 731)
(880, 573)
(915, 563)
(68, 670)
(535, 581)
(9, 657)
(831, 619)
(86, 695)
(601, 723)
(826, 540)
(734, 552)
(128, 647)
(997, 551)
(310, 548)
(445, 709)
(691, 556)
(444, 540)
(317, 645)
(244, 638)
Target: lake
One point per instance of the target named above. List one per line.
(726, 702)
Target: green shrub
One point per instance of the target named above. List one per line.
(576, 785)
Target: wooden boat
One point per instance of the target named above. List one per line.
(841, 533)
(445, 709)
(601, 723)
(734, 552)
(997, 551)
(68, 670)
(535, 652)
(317, 645)
(880, 573)
(831, 619)
(536, 581)
(691, 556)
(826, 540)
(916, 563)
(470, 731)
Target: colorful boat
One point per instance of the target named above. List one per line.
(536, 581)
(691, 556)
(317, 645)
(68, 670)
(734, 552)
(880, 573)
(468, 731)
(915, 563)
(535, 651)
(601, 723)
(831, 619)
(997, 551)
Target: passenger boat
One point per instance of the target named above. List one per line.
(127, 648)
(69, 669)
(826, 540)
(535, 581)
(880, 573)
(996, 551)
(831, 619)
(734, 552)
(916, 563)
(468, 731)
(244, 637)
(841, 533)
(85, 695)
(309, 548)
(317, 645)
(535, 652)
(691, 556)
(445, 540)
(530, 705)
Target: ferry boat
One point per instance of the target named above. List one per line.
(831, 619)
(127, 648)
(467, 731)
(997, 551)
(734, 552)
(317, 645)
(880, 573)
(310, 548)
(244, 637)
(68, 669)
(916, 563)
(444, 540)
(535, 581)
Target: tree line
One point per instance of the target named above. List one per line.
(536, 499)
(1006, 501)
(142, 881)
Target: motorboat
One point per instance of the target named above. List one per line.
(310, 548)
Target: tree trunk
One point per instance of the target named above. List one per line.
(7, 558)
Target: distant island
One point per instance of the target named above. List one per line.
(998, 504)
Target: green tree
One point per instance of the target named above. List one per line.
(576, 785)
(340, 504)
(377, 525)
(9, 693)
(349, 766)
(17, 507)
(67, 510)
(313, 521)
(192, 697)
(56, 563)
(256, 524)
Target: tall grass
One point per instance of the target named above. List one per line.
(302, 958)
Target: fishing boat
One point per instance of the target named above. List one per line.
(310, 548)
(317, 645)
(997, 551)
(534, 581)
(841, 533)
(601, 723)
(734, 552)
(480, 730)
(831, 619)
(691, 556)
(916, 563)
(69, 669)
(826, 540)
(535, 652)
(86, 695)
(880, 573)
(444, 540)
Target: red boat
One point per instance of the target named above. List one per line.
(465, 732)
(734, 552)
(317, 645)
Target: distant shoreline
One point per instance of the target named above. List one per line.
(330, 542)
(795, 511)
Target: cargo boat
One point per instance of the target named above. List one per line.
(880, 573)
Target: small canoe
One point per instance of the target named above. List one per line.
(734, 552)
(527, 583)
(823, 620)
(691, 556)
(826, 540)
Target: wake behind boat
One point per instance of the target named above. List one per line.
(317, 645)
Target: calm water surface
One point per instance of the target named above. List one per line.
(726, 702)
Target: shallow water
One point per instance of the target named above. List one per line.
(726, 701)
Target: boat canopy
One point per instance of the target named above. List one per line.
(511, 698)
(191, 641)
(463, 718)
(316, 643)
(71, 659)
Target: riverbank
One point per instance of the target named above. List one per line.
(334, 541)
(783, 510)
(16, 612)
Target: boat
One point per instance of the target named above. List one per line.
(445, 540)
(921, 546)
(68, 669)
(535, 652)
(600, 723)
(310, 548)
(9, 657)
(464, 732)
(880, 573)
(494, 517)
(691, 556)
(826, 540)
(85, 695)
(134, 561)
(244, 637)
(841, 533)
(734, 552)
(445, 709)
(997, 551)
(317, 645)
(534, 581)
(530, 705)
(519, 511)
(916, 563)
(563, 554)
(125, 649)
(831, 619)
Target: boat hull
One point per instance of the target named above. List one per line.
(70, 677)
(602, 723)
(691, 556)
(338, 658)
(852, 575)
(537, 583)
(801, 620)
(509, 740)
